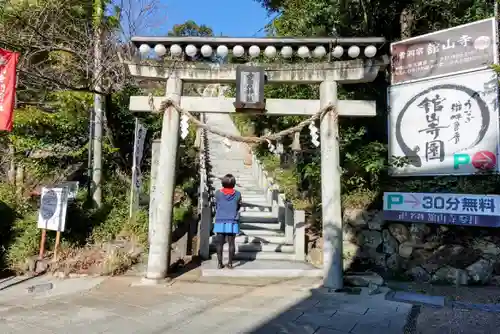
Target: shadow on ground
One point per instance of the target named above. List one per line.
(350, 311)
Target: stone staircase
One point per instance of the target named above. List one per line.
(270, 243)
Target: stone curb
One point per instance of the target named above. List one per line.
(490, 308)
(416, 298)
(63, 275)
(40, 287)
(439, 302)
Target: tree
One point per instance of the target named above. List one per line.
(57, 79)
(371, 17)
(190, 28)
(363, 141)
(55, 39)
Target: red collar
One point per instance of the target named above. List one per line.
(227, 191)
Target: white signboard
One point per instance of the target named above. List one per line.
(445, 126)
(53, 208)
(72, 188)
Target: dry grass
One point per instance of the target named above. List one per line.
(107, 260)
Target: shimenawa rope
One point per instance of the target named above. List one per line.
(244, 139)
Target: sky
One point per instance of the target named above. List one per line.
(232, 18)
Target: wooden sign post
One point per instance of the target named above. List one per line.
(42, 244)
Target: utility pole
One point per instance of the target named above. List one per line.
(495, 12)
(90, 157)
(98, 104)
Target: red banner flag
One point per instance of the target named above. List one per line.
(8, 64)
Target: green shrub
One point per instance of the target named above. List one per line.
(25, 241)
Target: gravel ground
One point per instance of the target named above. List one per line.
(454, 321)
(471, 294)
(450, 320)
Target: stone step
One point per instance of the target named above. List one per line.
(254, 247)
(256, 203)
(240, 185)
(249, 239)
(252, 208)
(220, 169)
(251, 191)
(225, 157)
(258, 214)
(263, 218)
(249, 185)
(263, 233)
(265, 268)
(253, 197)
(259, 202)
(260, 226)
(221, 161)
(239, 181)
(253, 194)
(220, 158)
(220, 150)
(250, 256)
(238, 160)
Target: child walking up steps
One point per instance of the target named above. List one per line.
(227, 218)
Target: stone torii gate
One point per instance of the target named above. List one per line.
(362, 63)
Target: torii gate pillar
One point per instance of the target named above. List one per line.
(330, 190)
(161, 234)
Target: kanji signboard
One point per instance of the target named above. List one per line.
(454, 209)
(445, 126)
(250, 82)
(460, 49)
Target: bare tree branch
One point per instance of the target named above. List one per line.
(55, 40)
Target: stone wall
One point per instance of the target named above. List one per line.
(421, 252)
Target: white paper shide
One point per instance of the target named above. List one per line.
(53, 208)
